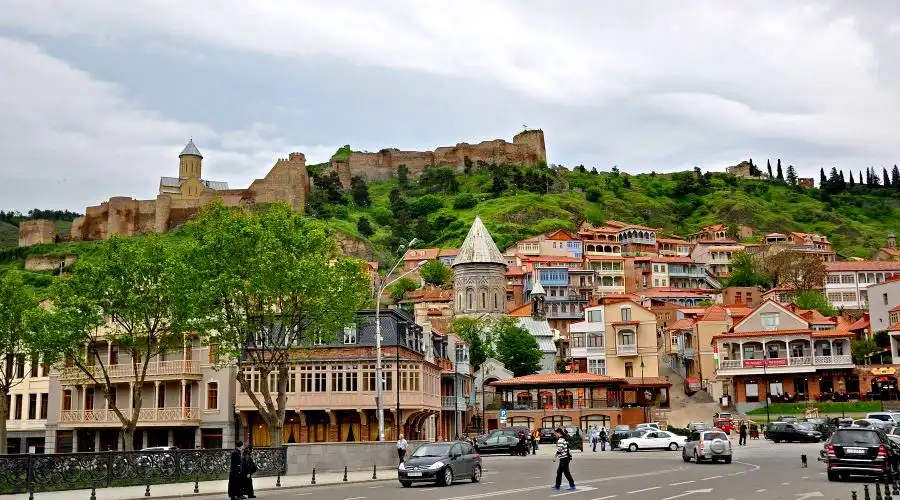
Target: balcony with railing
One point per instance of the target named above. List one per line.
(784, 364)
(687, 352)
(626, 349)
(126, 371)
(588, 352)
(454, 403)
(146, 417)
(679, 271)
(563, 404)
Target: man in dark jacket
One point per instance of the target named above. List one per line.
(742, 437)
(235, 476)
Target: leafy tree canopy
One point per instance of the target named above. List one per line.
(516, 348)
(436, 273)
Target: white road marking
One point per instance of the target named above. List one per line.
(785, 484)
(606, 498)
(686, 493)
(738, 473)
(760, 491)
(355, 498)
(708, 478)
(489, 482)
(683, 482)
(805, 477)
(578, 490)
(645, 489)
(375, 487)
(302, 494)
(590, 481)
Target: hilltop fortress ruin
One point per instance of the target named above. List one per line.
(526, 148)
(180, 198)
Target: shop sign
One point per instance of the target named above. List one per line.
(759, 363)
(886, 370)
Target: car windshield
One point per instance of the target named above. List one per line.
(432, 450)
(709, 436)
(850, 437)
(805, 426)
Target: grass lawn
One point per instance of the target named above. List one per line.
(776, 409)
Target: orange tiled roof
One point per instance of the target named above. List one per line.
(860, 324)
(624, 225)
(674, 241)
(895, 327)
(714, 313)
(863, 265)
(894, 309)
(673, 260)
(556, 378)
(723, 241)
(647, 381)
(523, 311)
(682, 324)
(763, 333)
(515, 271)
(893, 252)
(561, 235)
(831, 333)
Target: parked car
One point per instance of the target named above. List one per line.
(786, 418)
(821, 425)
(696, 426)
(548, 435)
(859, 451)
(441, 463)
(616, 438)
(653, 440)
(497, 443)
(871, 422)
(785, 431)
(889, 418)
(648, 425)
(712, 445)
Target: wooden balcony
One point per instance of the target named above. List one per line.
(626, 349)
(784, 365)
(348, 400)
(189, 369)
(148, 417)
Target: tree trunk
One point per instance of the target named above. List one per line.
(276, 434)
(3, 419)
(128, 433)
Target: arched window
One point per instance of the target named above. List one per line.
(470, 299)
(484, 300)
(629, 369)
(496, 301)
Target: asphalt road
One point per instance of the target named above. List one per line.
(760, 471)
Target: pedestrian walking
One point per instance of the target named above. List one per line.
(595, 438)
(402, 445)
(248, 468)
(603, 438)
(742, 440)
(235, 481)
(565, 458)
(535, 438)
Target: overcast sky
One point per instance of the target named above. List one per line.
(97, 97)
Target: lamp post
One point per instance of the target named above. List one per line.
(484, 373)
(646, 418)
(379, 388)
(766, 381)
(397, 378)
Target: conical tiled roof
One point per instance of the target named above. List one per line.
(191, 149)
(538, 289)
(478, 247)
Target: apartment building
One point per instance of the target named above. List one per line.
(28, 404)
(616, 339)
(413, 256)
(719, 233)
(186, 402)
(674, 247)
(559, 243)
(684, 273)
(749, 296)
(716, 257)
(567, 292)
(635, 239)
(846, 283)
(889, 252)
(776, 350)
(688, 343)
(331, 391)
(814, 244)
(884, 312)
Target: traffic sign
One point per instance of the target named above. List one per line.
(503, 415)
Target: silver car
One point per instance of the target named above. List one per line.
(711, 445)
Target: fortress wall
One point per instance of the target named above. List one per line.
(36, 232)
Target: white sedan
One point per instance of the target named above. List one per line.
(653, 440)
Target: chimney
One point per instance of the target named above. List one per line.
(892, 240)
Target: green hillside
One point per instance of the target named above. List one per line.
(519, 202)
(9, 234)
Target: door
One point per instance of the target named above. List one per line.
(458, 462)
(468, 455)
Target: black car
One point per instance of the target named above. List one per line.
(500, 440)
(440, 463)
(786, 431)
(548, 435)
(619, 434)
(860, 452)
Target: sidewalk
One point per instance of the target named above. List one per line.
(216, 488)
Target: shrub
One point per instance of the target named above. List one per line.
(464, 201)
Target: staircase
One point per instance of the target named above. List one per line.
(712, 280)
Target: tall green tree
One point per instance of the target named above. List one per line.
(780, 174)
(823, 182)
(360, 192)
(267, 284)
(895, 178)
(814, 299)
(18, 341)
(852, 182)
(401, 219)
(745, 271)
(364, 226)
(516, 348)
(769, 169)
(132, 296)
(403, 175)
(886, 182)
(436, 273)
(791, 175)
(863, 350)
(474, 331)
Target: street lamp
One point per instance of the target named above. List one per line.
(379, 388)
(485, 371)
(766, 381)
(646, 417)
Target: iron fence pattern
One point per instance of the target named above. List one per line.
(69, 471)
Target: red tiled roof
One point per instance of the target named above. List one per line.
(674, 260)
(725, 241)
(561, 235)
(624, 225)
(515, 271)
(624, 323)
(429, 253)
(431, 295)
(556, 378)
(863, 265)
(831, 333)
(732, 335)
(860, 324)
(714, 313)
(682, 324)
(894, 309)
(893, 252)
(895, 327)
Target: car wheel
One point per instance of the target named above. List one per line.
(406, 484)
(696, 457)
(673, 446)
(684, 456)
(833, 476)
(632, 447)
(727, 460)
(476, 474)
(446, 477)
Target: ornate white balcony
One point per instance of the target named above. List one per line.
(147, 417)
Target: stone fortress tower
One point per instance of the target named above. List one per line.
(479, 281)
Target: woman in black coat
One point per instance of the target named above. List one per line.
(235, 478)
(248, 468)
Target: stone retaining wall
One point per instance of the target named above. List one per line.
(301, 458)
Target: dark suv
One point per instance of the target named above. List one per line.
(859, 451)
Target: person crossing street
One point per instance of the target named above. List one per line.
(565, 458)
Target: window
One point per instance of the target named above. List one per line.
(626, 314)
(212, 396)
(834, 296)
(113, 354)
(594, 340)
(368, 378)
(213, 354)
(319, 378)
(884, 297)
(577, 340)
(337, 378)
(350, 335)
(113, 396)
(161, 398)
(629, 369)
(595, 316)
(35, 362)
(67, 400)
(894, 318)
(627, 338)
(597, 366)
(45, 401)
(18, 414)
(769, 321)
(847, 279)
(32, 406)
(848, 296)
(20, 366)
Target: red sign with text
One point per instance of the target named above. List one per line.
(759, 363)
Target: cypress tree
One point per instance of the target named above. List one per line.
(886, 177)
(895, 178)
(851, 179)
(780, 174)
(769, 168)
(876, 181)
(823, 182)
(860, 178)
(791, 175)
